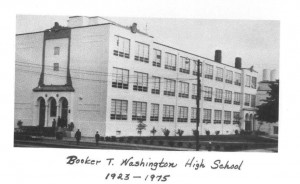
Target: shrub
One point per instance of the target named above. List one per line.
(151, 141)
(107, 138)
(171, 143)
(121, 139)
(258, 132)
(101, 138)
(195, 132)
(144, 141)
(129, 139)
(59, 135)
(207, 132)
(236, 132)
(166, 132)
(20, 123)
(217, 147)
(153, 131)
(242, 132)
(140, 127)
(179, 132)
(190, 145)
(208, 147)
(161, 142)
(217, 132)
(179, 144)
(113, 138)
(71, 126)
(136, 141)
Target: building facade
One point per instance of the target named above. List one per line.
(105, 77)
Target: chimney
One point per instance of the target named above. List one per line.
(134, 28)
(218, 56)
(238, 62)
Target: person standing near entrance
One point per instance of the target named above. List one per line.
(53, 125)
(97, 138)
(78, 136)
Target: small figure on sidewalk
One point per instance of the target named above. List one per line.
(97, 138)
(78, 136)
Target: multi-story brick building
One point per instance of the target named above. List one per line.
(104, 76)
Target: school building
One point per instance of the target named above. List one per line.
(103, 76)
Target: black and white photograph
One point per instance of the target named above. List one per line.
(92, 82)
(149, 91)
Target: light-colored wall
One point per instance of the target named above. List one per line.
(88, 66)
(29, 49)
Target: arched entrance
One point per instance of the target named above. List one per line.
(64, 111)
(42, 110)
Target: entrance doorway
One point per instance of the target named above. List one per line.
(42, 110)
(64, 110)
(247, 123)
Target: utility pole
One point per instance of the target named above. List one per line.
(198, 104)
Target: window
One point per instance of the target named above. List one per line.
(168, 113)
(228, 97)
(237, 98)
(253, 99)
(184, 65)
(157, 58)
(229, 77)
(238, 79)
(236, 118)
(120, 78)
(55, 66)
(207, 93)
(194, 91)
(247, 99)
(253, 83)
(209, 71)
(170, 62)
(248, 80)
(227, 117)
(219, 76)
(206, 115)
(154, 116)
(121, 47)
(183, 90)
(196, 66)
(194, 115)
(141, 82)
(141, 52)
(118, 109)
(219, 95)
(56, 50)
(169, 87)
(139, 110)
(218, 117)
(155, 85)
(182, 114)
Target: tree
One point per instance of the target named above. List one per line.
(141, 126)
(269, 110)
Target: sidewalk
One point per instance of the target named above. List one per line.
(91, 142)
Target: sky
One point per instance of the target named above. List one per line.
(255, 41)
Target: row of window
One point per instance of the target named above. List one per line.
(121, 80)
(119, 109)
(122, 49)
